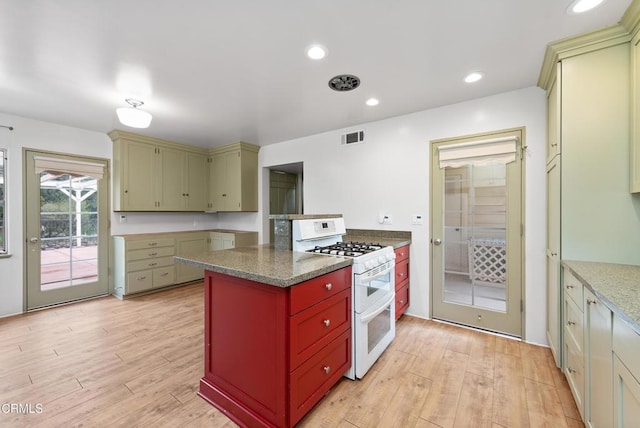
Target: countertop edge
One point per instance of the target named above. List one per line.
(603, 297)
(265, 279)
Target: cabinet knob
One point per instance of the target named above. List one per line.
(326, 369)
(126, 191)
(401, 254)
(401, 273)
(328, 286)
(402, 302)
(327, 323)
(224, 194)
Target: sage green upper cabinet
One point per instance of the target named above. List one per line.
(553, 116)
(634, 158)
(157, 175)
(233, 178)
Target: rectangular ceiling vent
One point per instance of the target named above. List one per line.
(354, 137)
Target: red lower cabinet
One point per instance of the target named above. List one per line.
(271, 353)
(402, 280)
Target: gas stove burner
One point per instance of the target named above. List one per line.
(347, 249)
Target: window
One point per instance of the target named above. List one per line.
(3, 204)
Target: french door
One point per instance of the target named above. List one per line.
(476, 228)
(66, 226)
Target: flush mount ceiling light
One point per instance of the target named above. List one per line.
(473, 77)
(580, 6)
(133, 116)
(344, 82)
(372, 102)
(316, 51)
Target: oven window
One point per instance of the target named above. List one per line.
(378, 328)
(382, 283)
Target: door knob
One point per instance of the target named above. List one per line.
(33, 240)
(437, 241)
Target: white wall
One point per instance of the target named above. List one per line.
(38, 135)
(390, 172)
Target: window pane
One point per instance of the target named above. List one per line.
(3, 246)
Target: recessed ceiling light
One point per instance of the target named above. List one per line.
(316, 52)
(373, 102)
(473, 77)
(580, 6)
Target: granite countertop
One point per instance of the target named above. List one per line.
(265, 264)
(395, 239)
(617, 286)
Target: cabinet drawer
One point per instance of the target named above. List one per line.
(150, 253)
(139, 281)
(315, 377)
(402, 253)
(150, 243)
(164, 276)
(317, 289)
(402, 270)
(312, 329)
(402, 300)
(626, 345)
(573, 288)
(149, 264)
(575, 374)
(574, 323)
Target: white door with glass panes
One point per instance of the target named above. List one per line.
(476, 250)
(66, 217)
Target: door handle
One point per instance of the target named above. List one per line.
(33, 240)
(437, 241)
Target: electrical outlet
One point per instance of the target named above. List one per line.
(417, 219)
(122, 218)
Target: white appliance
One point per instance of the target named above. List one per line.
(373, 286)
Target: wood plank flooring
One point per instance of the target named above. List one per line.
(138, 362)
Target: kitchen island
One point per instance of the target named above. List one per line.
(277, 331)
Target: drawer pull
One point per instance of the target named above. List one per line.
(152, 264)
(572, 371)
(326, 369)
(153, 254)
(153, 244)
(141, 278)
(328, 286)
(165, 274)
(591, 302)
(571, 323)
(327, 323)
(569, 287)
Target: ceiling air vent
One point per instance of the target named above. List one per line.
(344, 82)
(352, 138)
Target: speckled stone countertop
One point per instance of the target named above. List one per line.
(617, 286)
(395, 239)
(265, 264)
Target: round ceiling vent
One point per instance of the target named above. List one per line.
(344, 82)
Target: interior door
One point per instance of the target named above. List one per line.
(66, 224)
(476, 255)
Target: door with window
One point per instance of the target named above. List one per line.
(66, 220)
(476, 228)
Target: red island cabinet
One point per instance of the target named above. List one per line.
(402, 280)
(271, 353)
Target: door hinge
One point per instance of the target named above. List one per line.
(521, 306)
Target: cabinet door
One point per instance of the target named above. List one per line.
(599, 362)
(195, 182)
(553, 116)
(139, 178)
(222, 241)
(184, 272)
(219, 182)
(635, 121)
(233, 181)
(554, 297)
(626, 396)
(171, 180)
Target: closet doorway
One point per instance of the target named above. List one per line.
(285, 191)
(476, 231)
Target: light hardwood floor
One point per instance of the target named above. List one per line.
(138, 362)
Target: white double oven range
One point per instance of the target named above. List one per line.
(373, 286)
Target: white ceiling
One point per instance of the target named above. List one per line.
(213, 72)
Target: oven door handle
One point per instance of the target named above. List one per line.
(378, 275)
(365, 319)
